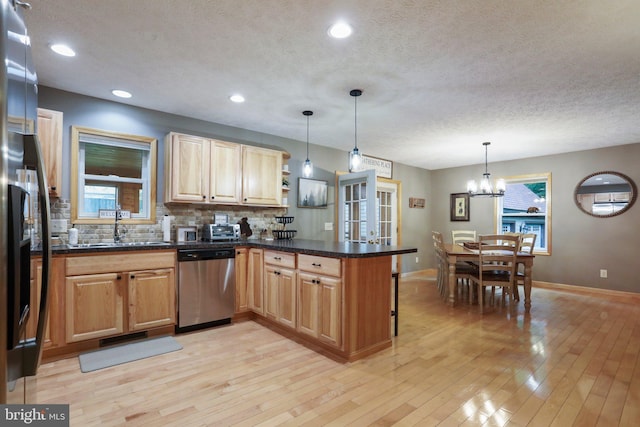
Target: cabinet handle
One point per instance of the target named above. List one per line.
(277, 258)
(204, 197)
(118, 277)
(316, 265)
(245, 199)
(53, 188)
(213, 197)
(132, 276)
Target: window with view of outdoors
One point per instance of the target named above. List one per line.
(526, 208)
(112, 170)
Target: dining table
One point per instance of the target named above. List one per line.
(457, 252)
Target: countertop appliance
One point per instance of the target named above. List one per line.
(206, 288)
(216, 232)
(24, 210)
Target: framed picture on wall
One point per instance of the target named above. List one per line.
(459, 207)
(312, 193)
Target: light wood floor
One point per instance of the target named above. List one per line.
(573, 361)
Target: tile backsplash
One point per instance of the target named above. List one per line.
(188, 215)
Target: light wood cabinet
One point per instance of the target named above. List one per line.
(280, 294)
(320, 298)
(112, 294)
(50, 126)
(241, 265)
(261, 176)
(255, 280)
(203, 170)
(280, 287)
(151, 299)
(187, 163)
(94, 306)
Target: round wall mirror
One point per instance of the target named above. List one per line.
(605, 194)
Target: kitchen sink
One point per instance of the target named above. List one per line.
(114, 245)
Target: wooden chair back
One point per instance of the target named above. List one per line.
(497, 263)
(527, 242)
(461, 236)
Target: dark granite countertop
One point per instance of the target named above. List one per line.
(303, 246)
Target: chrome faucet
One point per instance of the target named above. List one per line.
(118, 234)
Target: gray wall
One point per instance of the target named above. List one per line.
(581, 245)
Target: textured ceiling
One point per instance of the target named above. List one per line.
(439, 77)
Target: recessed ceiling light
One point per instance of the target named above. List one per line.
(340, 30)
(121, 93)
(237, 98)
(62, 49)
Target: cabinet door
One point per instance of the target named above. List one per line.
(261, 176)
(225, 172)
(242, 303)
(330, 310)
(255, 281)
(50, 137)
(94, 306)
(287, 297)
(152, 295)
(308, 304)
(189, 162)
(271, 291)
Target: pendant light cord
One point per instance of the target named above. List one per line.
(307, 137)
(355, 119)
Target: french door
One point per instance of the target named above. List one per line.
(357, 207)
(368, 210)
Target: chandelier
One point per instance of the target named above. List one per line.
(486, 188)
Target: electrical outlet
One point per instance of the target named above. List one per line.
(603, 274)
(328, 226)
(417, 260)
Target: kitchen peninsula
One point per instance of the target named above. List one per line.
(334, 297)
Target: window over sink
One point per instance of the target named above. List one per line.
(109, 169)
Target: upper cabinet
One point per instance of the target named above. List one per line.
(202, 170)
(50, 136)
(261, 176)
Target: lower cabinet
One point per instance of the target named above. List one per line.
(280, 292)
(103, 303)
(151, 299)
(255, 280)
(320, 298)
(280, 287)
(242, 302)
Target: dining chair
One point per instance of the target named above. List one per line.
(497, 265)
(461, 236)
(527, 243)
(463, 269)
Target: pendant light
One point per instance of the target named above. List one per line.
(307, 166)
(487, 189)
(354, 156)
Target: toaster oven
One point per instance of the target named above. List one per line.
(212, 232)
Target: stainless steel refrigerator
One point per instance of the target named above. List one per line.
(24, 210)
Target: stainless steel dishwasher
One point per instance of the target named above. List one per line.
(206, 287)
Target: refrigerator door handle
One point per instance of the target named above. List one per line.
(33, 157)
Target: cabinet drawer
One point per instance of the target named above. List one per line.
(283, 259)
(109, 263)
(319, 265)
